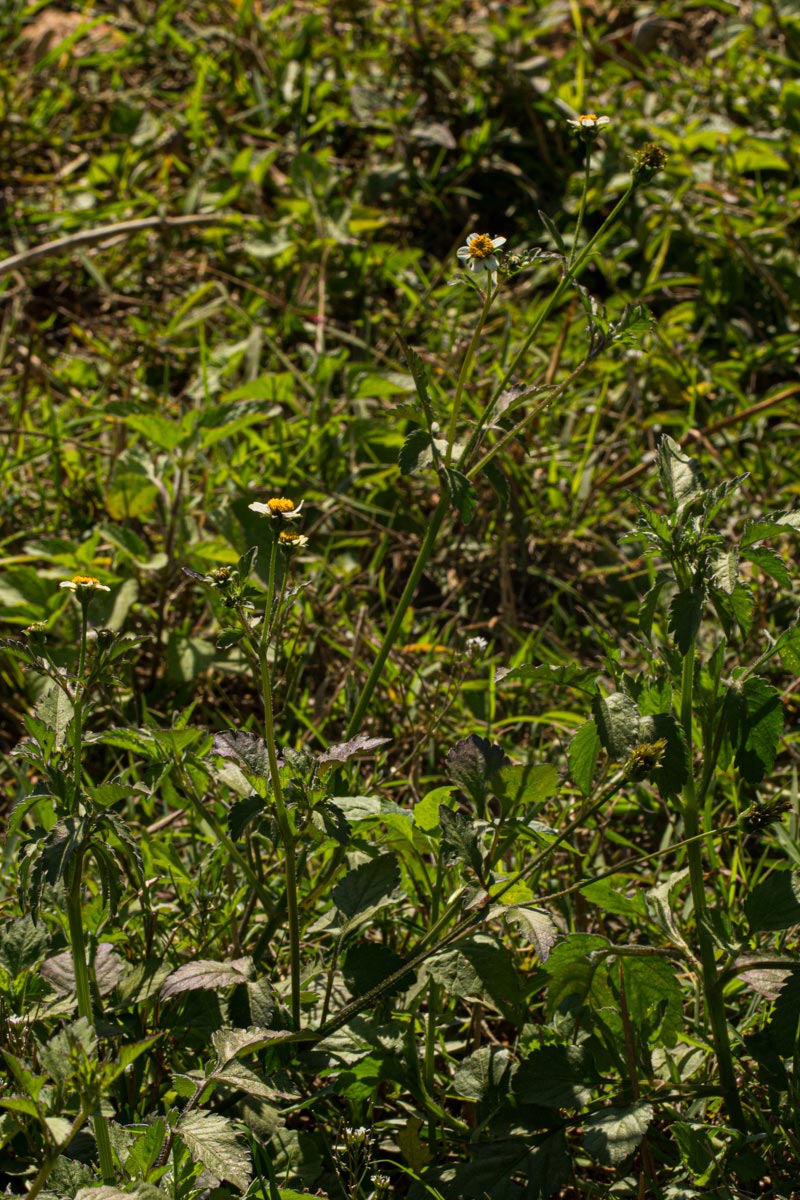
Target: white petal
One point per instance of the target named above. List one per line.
(498, 241)
(261, 508)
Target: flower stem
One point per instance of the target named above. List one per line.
(84, 997)
(712, 983)
(282, 816)
(582, 204)
(463, 374)
(390, 637)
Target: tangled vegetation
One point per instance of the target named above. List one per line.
(399, 654)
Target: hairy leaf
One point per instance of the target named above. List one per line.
(612, 1135)
(194, 976)
(367, 888)
(582, 756)
(471, 762)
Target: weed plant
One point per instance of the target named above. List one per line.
(400, 654)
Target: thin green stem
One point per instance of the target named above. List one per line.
(466, 366)
(712, 984)
(84, 997)
(582, 204)
(287, 836)
(77, 715)
(573, 269)
(390, 637)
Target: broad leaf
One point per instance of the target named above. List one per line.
(461, 838)
(55, 710)
(555, 1077)
(344, 750)
(205, 975)
(367, 888)
(685, 611)
(681, 475)
(461, 492)
(535, 926)
(211, 1140)
(470, 764)
(246, 749)
(524, 786)
(612, 1135)
(774, 903)
(582, 756)
(755, 716)
(617, 721)
(415, 452)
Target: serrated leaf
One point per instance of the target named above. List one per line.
(555, 1077)
(788, 648)
(659, 905)
(770, 563)
(22, 945)
(575, 977)
(110, 793)
(681, 475)
(231, 637)
(755, 721)
(237, 1075)
(616, 718)
(604, 895)
(554, 234)
(367, 888)
(426, 812)
(774, 904)
(685, 611)
(230, 1043)
(461, 492)
(361, 744)
(566, 675)
(206, 975)
(242, 813)
(484, 1076)
(673, 770)
(246, 749)
(536, 926)
(470, 764)
(498, 482)
(212, 1140)
(648, 606)
(56, 710)
(246, 563)
(611, 1136)
(415, 452)
(525, 787)
(779, 523)
(460, 839)
(582, 755)
(654, 999)
(724, 566)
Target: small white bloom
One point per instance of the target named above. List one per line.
(280, 507)
(291, 540)
(475, 646)
(589, 122)
(84, 583)
(479, 252)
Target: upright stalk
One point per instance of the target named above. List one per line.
(712, 983)
(287, 836)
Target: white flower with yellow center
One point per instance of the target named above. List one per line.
(589, 122)
(84, 584)
(479, 252)
(279, 508)
(291, 540)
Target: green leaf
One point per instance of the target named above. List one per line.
(575, 977)
(211, 1140)
(484, 1076)
(554, 234)
(770, 563)
(648, 606)
(774, 904)
(617, 722)
(144, 1152)
(724, 567)
(498, 482)
(779, 523)
(471, 763)
(673, 771)
(426, 812)
(526, 786)
(788, 648)
(564, 675)
(367, 888)
(734, 609)
(56, 710)
(413, 455)
(535, 926)
(245, 749)
(230, 1043)
(685, 611)
(205, 975)
(22, 945)
(106, 794)
(660, 908)
(159, 430)
(654, 998)
(461, 492)
(582, 756)
(611, 1136)
(681, 475)
(54, 855)
(555, 1077)
(461, 837)
(755, 717)
(603, 894)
